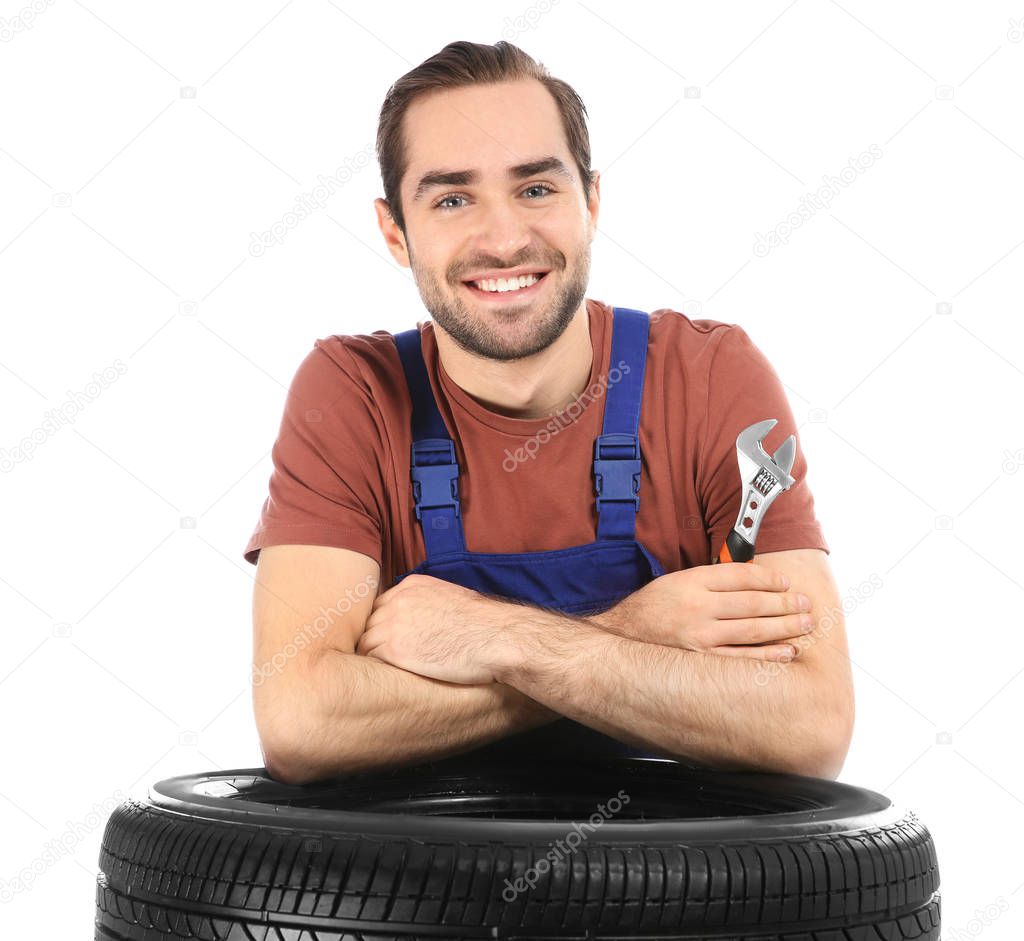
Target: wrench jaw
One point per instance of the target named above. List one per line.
(763, 476)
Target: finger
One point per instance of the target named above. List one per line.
(736, 576)
(755, 604)
(766, 630)
(388, 596)
(368, 641)
(776, 652)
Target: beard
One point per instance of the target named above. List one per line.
(512, 332)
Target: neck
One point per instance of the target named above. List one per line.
(535, 387)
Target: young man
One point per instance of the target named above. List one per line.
(493, 532)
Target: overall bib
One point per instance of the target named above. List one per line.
(580, 580)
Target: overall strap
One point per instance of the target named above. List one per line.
(617, 449)
(433, 467)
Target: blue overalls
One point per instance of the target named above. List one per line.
(579, 580)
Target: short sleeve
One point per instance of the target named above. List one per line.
(743, 388)
(325, 486)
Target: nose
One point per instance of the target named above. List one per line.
(502, 229)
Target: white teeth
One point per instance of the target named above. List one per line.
(503, 284)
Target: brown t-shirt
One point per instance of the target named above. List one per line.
(341, 459)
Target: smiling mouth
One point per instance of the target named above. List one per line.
(524, 293)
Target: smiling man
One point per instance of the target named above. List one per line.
(493, 532)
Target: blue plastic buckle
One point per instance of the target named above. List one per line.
(434, 485)
(617, 476)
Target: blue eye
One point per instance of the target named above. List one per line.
(533, 186)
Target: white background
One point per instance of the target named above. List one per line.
(127, 207)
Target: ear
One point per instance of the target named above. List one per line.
(594, 206)
(393, 237)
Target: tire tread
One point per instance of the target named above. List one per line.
(157, 865)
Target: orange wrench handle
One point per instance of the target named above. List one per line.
(735, 549)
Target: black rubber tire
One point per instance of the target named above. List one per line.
(424, 852)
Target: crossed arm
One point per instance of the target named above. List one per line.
(733, 713)
(729, 712)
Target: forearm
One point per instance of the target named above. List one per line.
(363, 714)
(609, 620)
(671, 701)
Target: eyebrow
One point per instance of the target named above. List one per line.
(437, 178)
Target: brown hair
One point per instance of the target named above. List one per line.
(457, 65)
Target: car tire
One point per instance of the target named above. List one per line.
(599, 848)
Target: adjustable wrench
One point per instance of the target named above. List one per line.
(764, 477)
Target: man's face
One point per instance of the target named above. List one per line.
(457, 229)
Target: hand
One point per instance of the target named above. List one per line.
(734, 609)
(437, 629)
